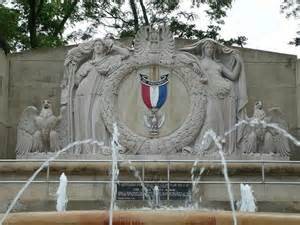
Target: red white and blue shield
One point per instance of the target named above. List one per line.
(154, 93)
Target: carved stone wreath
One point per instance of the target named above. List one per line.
(172, 143)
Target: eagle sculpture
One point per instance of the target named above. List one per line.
(36, 131)
(260, 139)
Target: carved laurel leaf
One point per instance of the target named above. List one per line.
(137, 144)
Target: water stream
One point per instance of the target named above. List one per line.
(195, 186)
(247, 202)
(62, 200)
(156, 197)
(114, 170)
(218, 140)
(45, 165)
(144, 188)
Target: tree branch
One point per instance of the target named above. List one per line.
(135, 15)
(114, 16)
(67, 15)
(39, 8)
(32, 24)
(144, 12)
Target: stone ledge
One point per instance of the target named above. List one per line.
(88, 168)
(156, 217)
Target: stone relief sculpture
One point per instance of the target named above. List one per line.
(223, 69)
(266, 140)
(37, 132)
(163, 99)
(87, 66)
(156, 48)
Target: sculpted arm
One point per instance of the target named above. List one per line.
(121, 51)
(234, 73)
(114, 48)
(82, 73)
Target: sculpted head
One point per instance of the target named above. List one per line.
(99, 46)
(258, 105)
(46, 104)
(209, 49)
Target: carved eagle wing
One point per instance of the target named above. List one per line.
(167, 44)
(141, 41)
(281, 143)
(276, 116)
(26, 130)
(248, 143)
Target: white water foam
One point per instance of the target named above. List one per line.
(62, 200)
(247, 202)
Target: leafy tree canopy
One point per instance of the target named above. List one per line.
(291, 8)
(29, 24)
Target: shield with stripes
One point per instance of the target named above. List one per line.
(154, 93)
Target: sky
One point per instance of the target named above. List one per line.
(263, 24)
(259, 20)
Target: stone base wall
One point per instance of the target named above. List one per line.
(40, 196)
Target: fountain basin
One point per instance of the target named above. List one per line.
(159, 217)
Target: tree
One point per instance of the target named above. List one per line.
(181, 22)
(9, 32)
(43, 23)
(291, 8)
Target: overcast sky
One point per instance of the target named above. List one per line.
(259, 20)
(263, 24)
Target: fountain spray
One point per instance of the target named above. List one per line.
(62, 200)
(114, 170)
(247, 202)
(156, 197)
(45, 165)
(218, 142)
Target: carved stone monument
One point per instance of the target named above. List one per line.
(37, 132)
(265, 139)
(163, 99)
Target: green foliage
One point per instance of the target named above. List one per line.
(183, 23)
(42, 23)
(9, 31)
(291, 8)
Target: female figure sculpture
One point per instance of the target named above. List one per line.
(85, 86)
(226, 89)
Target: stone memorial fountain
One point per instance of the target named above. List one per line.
(153, 101)
(163, 99)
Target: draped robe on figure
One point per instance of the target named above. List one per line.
(87, 100)
(226, 99)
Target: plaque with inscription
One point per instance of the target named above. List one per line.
(134, 191)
